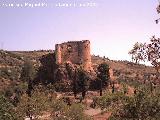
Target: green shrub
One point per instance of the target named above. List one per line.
(75, 112)
(6, 109)
(110, 100)
(33, 106)
(142, 106)
(9, 73)
(63, 112)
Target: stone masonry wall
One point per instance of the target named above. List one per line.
(76, 52)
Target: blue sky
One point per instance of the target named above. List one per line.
(112, 26)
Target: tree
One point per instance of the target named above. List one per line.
(28, 74)
(28, 70)
(141, 106)
(83, 81)
(74, 83)
(103, 75)
(149, 52)
(137, 52)
(33, 106)
(72, 73)
(153, 52)
(158, 11)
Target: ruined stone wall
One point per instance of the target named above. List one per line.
(76, 52)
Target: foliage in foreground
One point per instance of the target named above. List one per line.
(41, 102)
(110, 100)
(32, 107)
(61, 111)
(6, 109)
(142, 106)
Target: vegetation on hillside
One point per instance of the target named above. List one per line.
(34, 84)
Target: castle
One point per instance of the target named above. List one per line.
(76, 52)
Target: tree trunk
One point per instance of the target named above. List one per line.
(100, 92)
(113, 88)
(75, 84)
(100, 87)
(83, 94)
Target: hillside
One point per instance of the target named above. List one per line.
(11, 64)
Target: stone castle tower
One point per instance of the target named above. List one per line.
(76, 52)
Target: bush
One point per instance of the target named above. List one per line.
(110, 100)
(63, 112)
(33, 106)
(75, 112)
(13, 92)
(6, 109)
(9, 73)
(142, 106)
